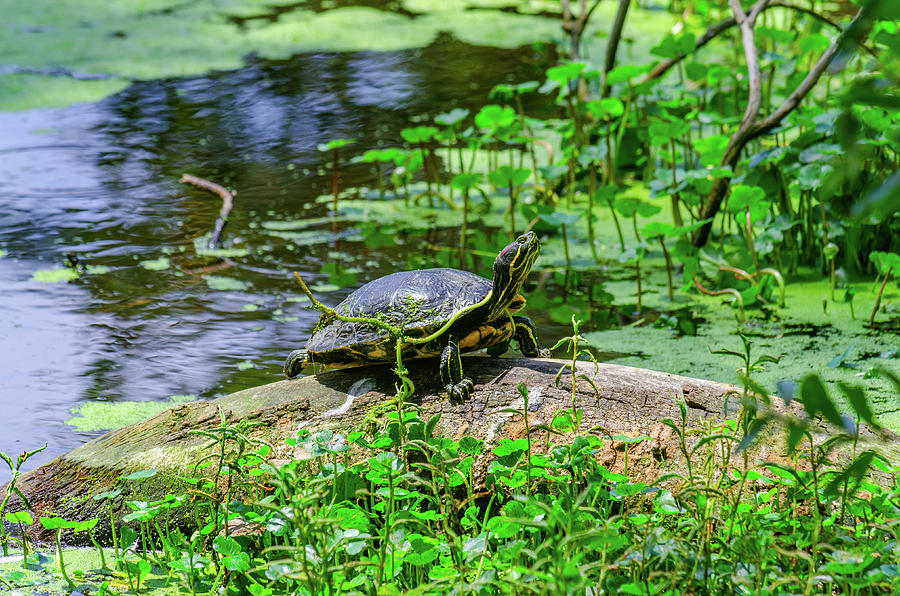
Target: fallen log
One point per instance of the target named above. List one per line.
(622, 401)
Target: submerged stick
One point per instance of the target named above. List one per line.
(227, 201)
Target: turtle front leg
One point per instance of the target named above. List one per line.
(458, 387)
(295, 362)
(526, 337)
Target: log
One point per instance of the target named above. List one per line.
(627, 401)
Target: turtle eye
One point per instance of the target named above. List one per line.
(522, 239)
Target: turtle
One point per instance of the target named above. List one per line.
(452, 310)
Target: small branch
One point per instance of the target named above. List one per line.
(794, 99)
(725, 24)
(750, 128)
(754, 77)
(227, 201)
(612, 46)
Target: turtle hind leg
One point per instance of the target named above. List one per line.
(526, 337)
(295, 362)
(458, 387)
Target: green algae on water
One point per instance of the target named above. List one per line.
(94, 416)
(56, 275)
(216, 282)
(160, 264)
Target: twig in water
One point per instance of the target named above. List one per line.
(227, 200)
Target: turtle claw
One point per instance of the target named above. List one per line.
(526, 337)
(460, 391)
(295, 362)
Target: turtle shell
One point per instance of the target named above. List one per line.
(421, 302)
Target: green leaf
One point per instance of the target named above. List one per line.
(858, 402)
(673, 47)
(627, 206)
(839, 360)
(885, 261)
(608, 107)
(471, 445)
(507, 175)
(140, 475)
(453, 117)
(335, 144)
(492, 117)
(815, 42)
(816, 401)
(419, 134)
(226, 545)
(20, 517)
(565, 73)
(55, 523)
(625, 73)
(711, 149)
(855, 471)
(695, 71)
(657, 228)
(510, 446)
(661, 131)
(645, 209)
(749, 197)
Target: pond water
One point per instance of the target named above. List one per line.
(99, 182)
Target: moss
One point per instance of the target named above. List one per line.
(93, 416)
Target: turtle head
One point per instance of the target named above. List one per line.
(512, 266)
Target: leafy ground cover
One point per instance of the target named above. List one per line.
(397, 510)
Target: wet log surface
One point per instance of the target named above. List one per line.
(627, 401)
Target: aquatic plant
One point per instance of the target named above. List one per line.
(11, 489)
(334, 146)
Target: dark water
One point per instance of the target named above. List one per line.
(100, 181)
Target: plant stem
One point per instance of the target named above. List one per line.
(592, 188)
(878, 298)
(668, 266)
(512, 210)
(334, 182)
(59, 559)
(637, 266)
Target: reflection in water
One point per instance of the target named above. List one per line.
(100, 181)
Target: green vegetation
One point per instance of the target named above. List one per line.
(397, 509)
(728, 201)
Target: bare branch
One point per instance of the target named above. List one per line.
(737, 10)
(752, 128)
(717, 29)
(615, 34)
(227, 200)
(794, 99)
(754, 76)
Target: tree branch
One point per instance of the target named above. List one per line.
(754, 77)
(751, 128)
(794, 99)
(612, 47)
(725, 24)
